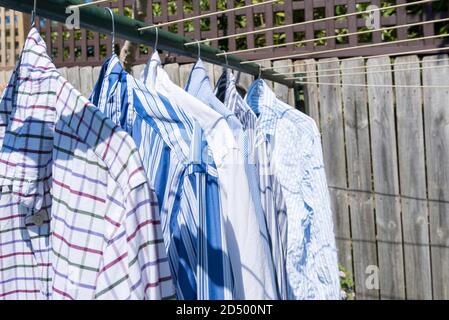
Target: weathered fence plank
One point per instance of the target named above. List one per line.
(386, 182)
(86, 79)
(8, 74)
(267, 64)
(436, 115)
(218, 71)
(96, 74)
(311, 92)
(137, 70)
(363, 225)
(412, 176)
(244, 80)
(73, 76)
(184, 72)
(335, 157)
(63, 72)
(281, 91)
(210, 72)
(173, 71)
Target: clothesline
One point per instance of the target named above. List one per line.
(343, 69)
(371, 85)
(313, 53)
(82, 5)
(362, 57)
(323, 74)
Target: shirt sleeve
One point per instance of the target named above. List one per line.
(312, 266)
(147, 259)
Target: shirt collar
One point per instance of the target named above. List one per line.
(234, 102)
(262, 99)
(150, 72)
(112, 73)
(199, 86)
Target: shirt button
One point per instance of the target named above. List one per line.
(38, 221)
(39, 218)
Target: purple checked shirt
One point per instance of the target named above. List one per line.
(78, 219)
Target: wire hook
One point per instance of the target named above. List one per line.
(156, 40)
(199, 51)
(113, 28)
(260, 71)
(226, 59)
(33, 14)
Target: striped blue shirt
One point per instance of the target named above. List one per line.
(296, 155)
(265, 189)
(185, 187)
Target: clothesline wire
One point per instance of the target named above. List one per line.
(306, 54)
(371, 85)
(77, 6)
(210, 14)
(351, 68)
(362, 73)
(389, 55)
(372, 192)
(309, 22)
(333, 37)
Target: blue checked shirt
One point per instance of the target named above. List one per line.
(297, 160)
(265, 189)
(164, 134)
(251, 273)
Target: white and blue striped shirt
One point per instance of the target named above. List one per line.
(265, 189)
(297, 161)
(164, 134)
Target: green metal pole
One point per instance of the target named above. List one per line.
(98, 19)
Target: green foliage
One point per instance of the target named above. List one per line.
(346, 284)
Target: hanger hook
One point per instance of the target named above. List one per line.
(199, 50)
(157, 39)
(260, 71)
(226, 59)
(33, 14)
(113, 28)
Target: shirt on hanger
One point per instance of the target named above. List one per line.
(78, 219)
(265, 189)
(253, 278)
(199, 86)
(297, 161)
(165, 134)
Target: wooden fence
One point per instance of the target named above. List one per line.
(386, 149)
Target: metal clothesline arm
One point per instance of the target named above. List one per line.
(98, 19)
